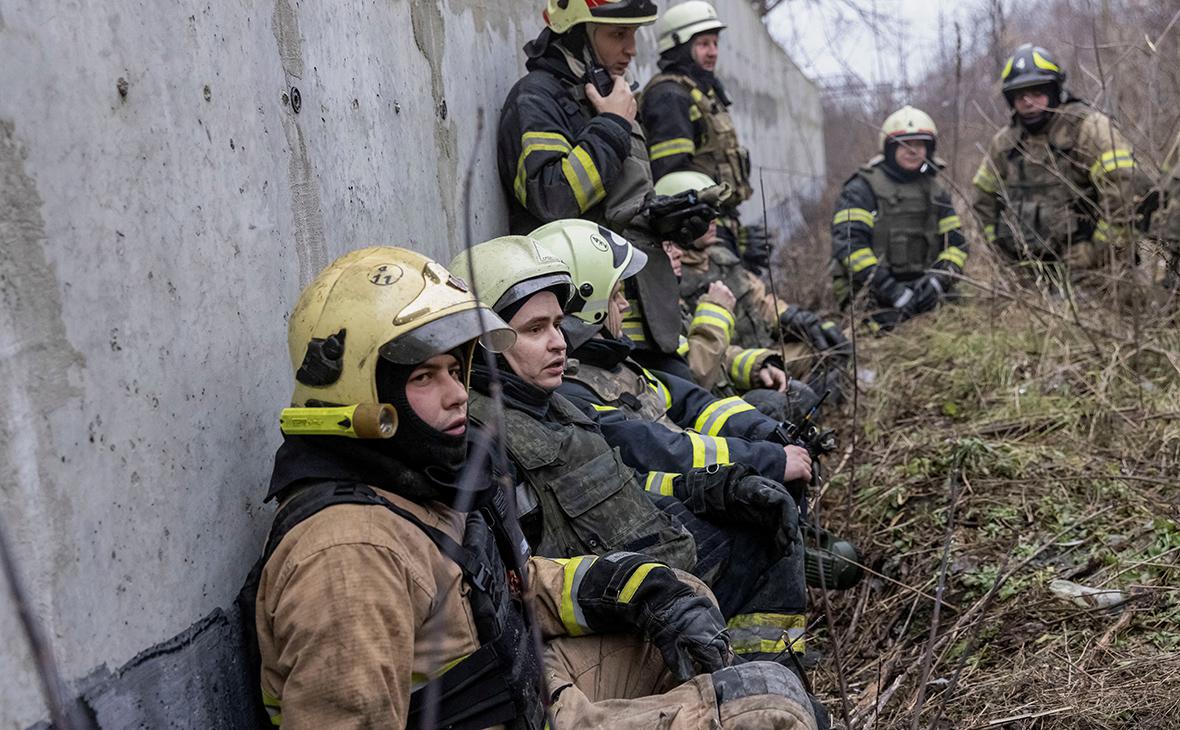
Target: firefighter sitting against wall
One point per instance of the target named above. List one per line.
(809, 349)
(576, 491)
(895, 235)
(391, 591)
(1060, 183)
(685, 114)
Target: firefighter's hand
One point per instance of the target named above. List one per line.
(721, 295)
(773, 378)
(798, 465)
(620, 101)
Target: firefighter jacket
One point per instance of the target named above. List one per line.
(685, 114)
(576, 495)
(558, 158)
(1073, 184)
(357, 605)
(664, 424)
(715, 364)
(884, 220)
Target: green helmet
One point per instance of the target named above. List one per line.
(510, 269)
(675, 183)
(598, 259)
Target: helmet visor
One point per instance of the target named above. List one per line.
(560, 283)
(635, 265)
(448, 332)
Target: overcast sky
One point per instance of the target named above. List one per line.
(830, 38)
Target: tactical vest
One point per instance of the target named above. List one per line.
(750, 329)
(905, 232)
(590, 502)
(628, 388)
(717, 153)
(498, 682)
(1045, 187)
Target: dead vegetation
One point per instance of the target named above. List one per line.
(1016, 439)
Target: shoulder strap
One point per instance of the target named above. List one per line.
(319, 496)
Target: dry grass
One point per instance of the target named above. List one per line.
(1047, 435)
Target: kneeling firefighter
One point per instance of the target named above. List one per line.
(392, 587)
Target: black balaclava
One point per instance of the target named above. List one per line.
(416, 443)
(896, 172)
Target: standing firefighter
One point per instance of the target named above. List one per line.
(391, 590)
(685, 114)
(569, 145)
(1059, 183)
(895, 231)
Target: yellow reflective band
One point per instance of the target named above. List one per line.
(693, 113)
(768, 646)
(783, 621)
(598, 407)
(989, 232)
(674, 146)
(1007, 68)
(696, 94)
(713, 418)
(1105, 231)
(742, 369)
(860, 259)
(948, 224)
(655, 384)
(1110, 161)
(853, 215)
(633, 328)
(572, 617)
(636, 580)
(659, 482)
(955, 255)
(711, 315)
(682, 346)
(531, 142)
(1044, 63)
(698, 450)
(985, 180)
(582, 175)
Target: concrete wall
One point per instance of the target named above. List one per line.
(161, 204)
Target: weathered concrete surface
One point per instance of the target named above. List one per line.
(161, 204)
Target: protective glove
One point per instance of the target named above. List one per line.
(838, 344)
(733, 495)
(803, 325)
(629, 589)
(888, 290)
(927, 295)
(754, 242)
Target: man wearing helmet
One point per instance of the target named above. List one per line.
(1060, 183)
(895, 233)
(569, 149)
(572, 484)
(390, 591)
(812, 350)
(685, 114)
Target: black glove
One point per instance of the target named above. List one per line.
(803, 325)
(888, 291)
(682, 218)
(733, 495)
(754, 243)
(687, 628)
(838, 344)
